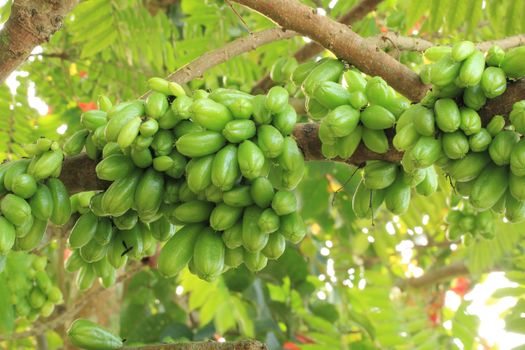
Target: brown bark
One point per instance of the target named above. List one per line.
(343, 42)
(240, 345)
(308, 140)
(31, 23)
(312, 49)
(78, 174)
(355, 14)
(437, 275)
(213, 58)
(502, 105)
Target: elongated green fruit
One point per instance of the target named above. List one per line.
(33, 238)
(209, 142)
(178, 251)
(210, 114)
(114, 167)
(119, 197)
(462, 50)
(276, 99)
(224, 217)
(122, 117)
(251, 159)
(148, 194)
(198, 173)
(488, 188)
(512, 64)
(83, 231)
(375, 140)
(253, 239)
(208, 255)
(346, 146)
(270, 141)
(93, 119)
(75, 143)
(15, 209)
(7, 236)
(225, 168)
(89, 335)
(378, 174)
(47, 164)
(377, 118)
(471, 70)
(129, 132)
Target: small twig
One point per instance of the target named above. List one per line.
(344, 185)
(240, 17)
(197, 67)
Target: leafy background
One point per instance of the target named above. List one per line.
(344, 286)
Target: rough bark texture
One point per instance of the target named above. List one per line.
(502, 104)
(358, 12)
(31, 23)
(343, 42)
(408, 43)
(312, 49)
(78, 174)
(241, 345)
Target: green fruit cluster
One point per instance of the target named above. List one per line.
(31, 195)
(33, 293)
(464, 221)
(211, 174)
(485, 164)
(90, 336)
(102, 244)
(482, 162)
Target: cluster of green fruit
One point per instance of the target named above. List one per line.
(101, 244)
(33, 293)
(32, 196)
(352, 109)
(464, 221)
(445, 129)
(222, 165)
(486, 164)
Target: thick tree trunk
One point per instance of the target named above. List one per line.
(31, 23)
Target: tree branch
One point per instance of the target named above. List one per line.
(408, 43)
(354, 15)
(505, 43)
(437, 275)
(197, 67)
(343, 42)
(240, 345)
(78, 172)
(31, 23)
(310, 50)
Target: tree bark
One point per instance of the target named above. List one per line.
(437, 275)
(31, 23)
(502, 105)
(240, 345)
(310, 50)
(343, 42)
